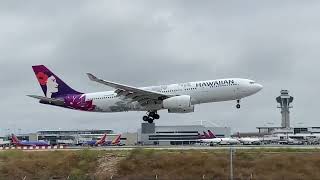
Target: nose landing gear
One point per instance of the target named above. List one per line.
(238, 104)
(151, 116)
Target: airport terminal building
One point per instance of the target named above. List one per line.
(72, 137)
(150, 134)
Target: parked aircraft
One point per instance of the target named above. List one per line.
(115, 142)
(101, 141)
(4, 143)
(207, 135)
(17, 142)
(204, 135)
(220, 141)
(290, 138)
(176, 98)
(211, 141)
(249, 140)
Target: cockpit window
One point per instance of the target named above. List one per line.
(252, 82)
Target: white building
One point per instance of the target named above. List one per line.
(149, 134)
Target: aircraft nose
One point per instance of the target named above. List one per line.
(258, 87)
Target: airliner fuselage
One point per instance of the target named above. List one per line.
(176, 98)
(200, 92)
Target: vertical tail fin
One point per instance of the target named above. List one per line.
(52, 86)
(238, 134)
(103, 139)
(14, 139)
(211, 134)
(117, 140)
(206, 135)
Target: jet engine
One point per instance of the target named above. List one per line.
(177, 102)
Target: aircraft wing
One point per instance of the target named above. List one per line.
(136, 94)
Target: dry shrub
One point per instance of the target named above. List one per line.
(194, 164)
(44, 165)
(146, 164)
(174, 165)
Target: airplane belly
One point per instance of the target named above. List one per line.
(117, 105)
(242, 92)
(101, 106)
(217, 94)
(227, 93)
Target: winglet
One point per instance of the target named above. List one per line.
(92, 77)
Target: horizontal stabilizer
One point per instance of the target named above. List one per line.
(46, 100)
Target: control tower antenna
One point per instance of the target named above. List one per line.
(285, 100)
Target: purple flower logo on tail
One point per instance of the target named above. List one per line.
(42, 78)
(79, 102)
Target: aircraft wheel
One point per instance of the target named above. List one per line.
(156, 116)
(238, 106)
(145, 118)
(150, 120)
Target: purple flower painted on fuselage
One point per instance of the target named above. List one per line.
(79, 102)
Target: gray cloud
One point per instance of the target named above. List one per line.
(146, 43)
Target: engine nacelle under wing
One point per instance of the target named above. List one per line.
(177, 102)
(182, 110)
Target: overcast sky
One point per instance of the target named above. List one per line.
(143, 43)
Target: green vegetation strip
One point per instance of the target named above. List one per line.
(165, 164)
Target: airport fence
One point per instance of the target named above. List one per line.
(155, 177)
(33, 147)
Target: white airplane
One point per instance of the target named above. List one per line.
(220, 141)
(250, 141)
(176, 98)
(4, 142)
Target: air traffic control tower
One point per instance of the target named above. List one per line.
(285, 100)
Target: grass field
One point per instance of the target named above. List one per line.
(165, 164)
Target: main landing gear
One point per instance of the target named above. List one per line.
(151, 116)
(238, 104)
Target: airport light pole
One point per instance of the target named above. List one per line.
(231, 163)
(8, 132)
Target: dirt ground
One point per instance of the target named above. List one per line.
(108, 165)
